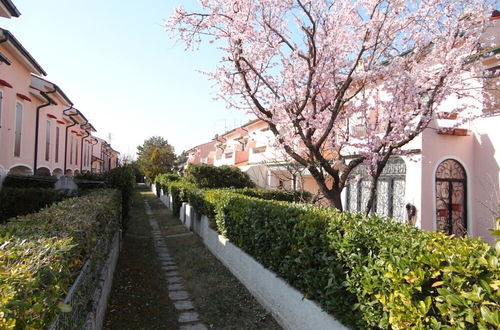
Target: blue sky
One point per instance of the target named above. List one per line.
(117, 64)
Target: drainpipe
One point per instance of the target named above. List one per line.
(94, 142)
(66, 135)
(81, 145)
(37, 123)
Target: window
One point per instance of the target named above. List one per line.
(259, 150)
(76, 153)
(57, 144)
(71, 150)
(228, 155)
(47, 141)
(389, 196)
(1, 98)
(19, 128)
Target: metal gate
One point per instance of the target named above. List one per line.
(451, 198)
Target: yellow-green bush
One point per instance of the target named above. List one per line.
(42, 253)
(369, 272)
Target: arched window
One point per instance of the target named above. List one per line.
(390, 194)
(451, 198)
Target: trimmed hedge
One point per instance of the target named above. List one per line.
(29, 181)
(369, 272)
(276, 195)
(162, 180)
(209, 176)
(15, 202)
(179, 190)
(123, 179)
(42, 254)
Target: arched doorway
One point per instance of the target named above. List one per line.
(451, 198)
(21, 170)
(43, 171)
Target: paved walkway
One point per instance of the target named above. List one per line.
(188, 317)
(167, 279)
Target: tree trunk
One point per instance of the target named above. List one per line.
(334, 198)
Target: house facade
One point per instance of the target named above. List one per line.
(41, 132)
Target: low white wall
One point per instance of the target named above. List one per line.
(288, 305)
(107, 280)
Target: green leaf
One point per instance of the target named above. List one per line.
(65, 308)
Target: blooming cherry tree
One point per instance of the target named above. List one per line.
(342, 82)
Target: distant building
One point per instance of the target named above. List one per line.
(41, 132)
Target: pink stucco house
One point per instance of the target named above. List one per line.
(41, 132)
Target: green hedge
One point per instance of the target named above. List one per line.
(209, 176)
(21, 201)
(179, 191)
(162, 180)
(277, 195)
(29, 181)
(123, 179)
(369, 272)
(42, 253)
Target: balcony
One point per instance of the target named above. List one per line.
(241, 157)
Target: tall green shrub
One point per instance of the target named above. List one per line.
(209, 176)
(123, 179)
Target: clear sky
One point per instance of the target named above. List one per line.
(117, 64)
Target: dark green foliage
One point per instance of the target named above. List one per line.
(276, 195)
(179, 192)
(42, 254)
(91, 176)
(20, 201)
(369, 272)
(209, 176)
(155, 156)
(29, 181)
(162, 181)
(123, 179)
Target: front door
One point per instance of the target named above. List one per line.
(451, 198)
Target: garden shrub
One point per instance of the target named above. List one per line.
(162, 181)
(42, 254)
(29, 181)
(369, 272)
(21, 201)
(277, 195)
(91, 176)
(178, 190)
(123, 179)
(209, 176)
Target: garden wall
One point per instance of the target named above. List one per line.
(288, 305)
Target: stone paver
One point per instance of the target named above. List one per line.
(183, 305)
(186, 317)
(176, 286)
(187, 314)
(178, 295)
(174, 279)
